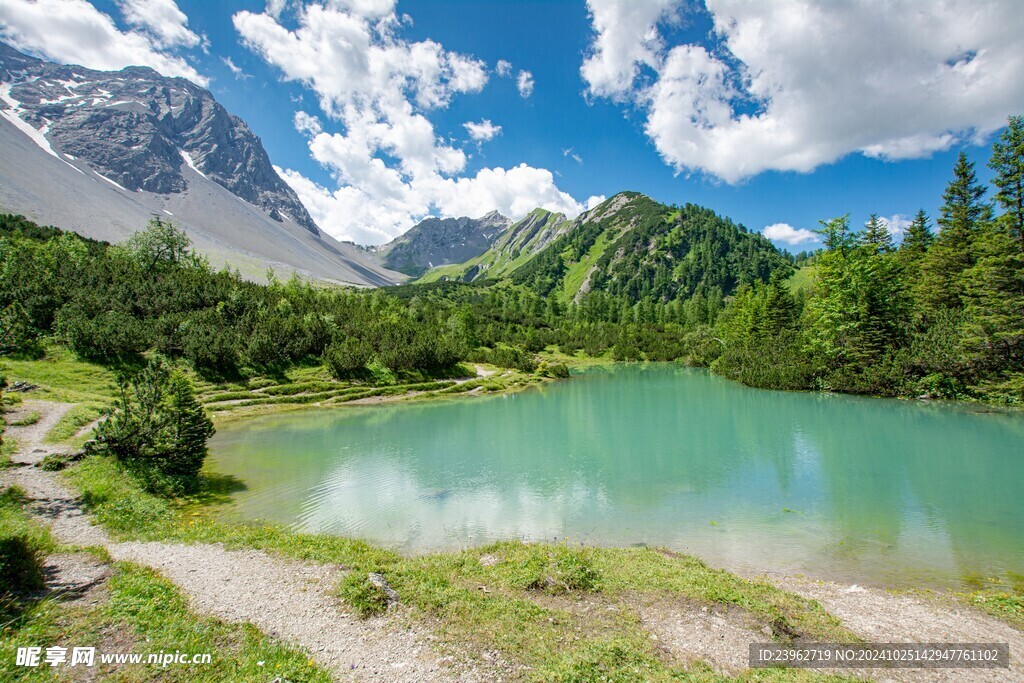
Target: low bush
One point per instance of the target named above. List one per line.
(158, 429)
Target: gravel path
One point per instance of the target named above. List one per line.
(719, 637)
(880, 616)
(292, 601)
(287, 599)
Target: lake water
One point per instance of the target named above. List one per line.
(857, 489)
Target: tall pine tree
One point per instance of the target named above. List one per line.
(964, 211)
(1008, 163)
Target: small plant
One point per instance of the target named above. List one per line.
(25, 420)
(367, 597)
(562, 570)
(54, 462)
(21, 547)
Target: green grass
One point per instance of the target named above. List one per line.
(576, 273)
(23, 545)
(7, 449)
(25, 420)
(62, 376)
(67, 428)
(144, 613)
(802, 280)
(1001, 604)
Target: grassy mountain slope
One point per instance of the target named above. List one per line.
(630, 247)
(516, 247)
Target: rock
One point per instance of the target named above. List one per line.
(488, 560)
(379, 581)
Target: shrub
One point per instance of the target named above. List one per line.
(102, 335)
(158, 429)
(348, 358)
(513, 357)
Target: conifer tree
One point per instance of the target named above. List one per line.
(1008, 163)
(919, 235)
(876, 234)
(963, 212)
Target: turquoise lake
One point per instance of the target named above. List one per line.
(856, 489)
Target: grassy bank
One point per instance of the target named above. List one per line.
(551, 611)
(60, 375)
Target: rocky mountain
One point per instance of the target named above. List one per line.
(99, 152)
(517, 245)
(628, 246)
(439, 241)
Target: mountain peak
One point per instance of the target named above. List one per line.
(440, 241)
(144, 131)
(494, 217)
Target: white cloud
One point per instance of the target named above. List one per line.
(391, 167)
(307, 124)
(162, 20)
(524, 83)
(503, 68)
(482, 131)
(371, 216)
(595, 200)
(234, 68)
(784, 232)
(75, 32)
(795, 84)
(276, 7)
(897, 225)
(626, 38)
(569, 153)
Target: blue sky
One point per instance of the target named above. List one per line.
(615, 103)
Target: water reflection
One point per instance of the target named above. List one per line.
(865, 489)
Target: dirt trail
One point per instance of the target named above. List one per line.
(286, 599)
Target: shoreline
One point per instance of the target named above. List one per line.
(693, 612)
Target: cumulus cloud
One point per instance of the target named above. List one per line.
(368, 216)
(795, 84)
(391, 167)
(595, 200)
(784, 232)
(482, 131)
(524, 83)
(165, 23)
(503, 68)
(626, 38)
(75, 32)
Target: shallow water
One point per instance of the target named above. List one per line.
(857, 489)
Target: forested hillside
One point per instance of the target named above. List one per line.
(633, 248)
